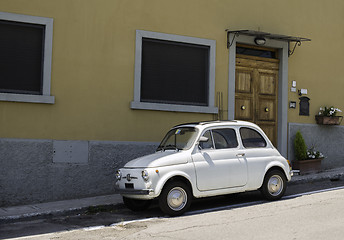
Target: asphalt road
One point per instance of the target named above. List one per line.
(118, 214)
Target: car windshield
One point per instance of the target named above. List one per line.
(178, 139)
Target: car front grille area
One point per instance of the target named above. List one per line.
(129, 185)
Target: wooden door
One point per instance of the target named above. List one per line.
(256, 89)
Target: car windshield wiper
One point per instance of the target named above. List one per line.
(171, 147)
(160, 148)
(168, 147)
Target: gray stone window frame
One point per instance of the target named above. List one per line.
(48, 39)
(137, 104)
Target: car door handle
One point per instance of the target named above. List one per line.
(240, 154)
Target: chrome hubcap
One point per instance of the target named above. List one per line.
(177, 198)
(275, 185)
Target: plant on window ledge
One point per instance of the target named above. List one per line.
(328, 116)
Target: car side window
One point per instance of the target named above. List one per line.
(225, 138)
(208, 144)
(251, 138)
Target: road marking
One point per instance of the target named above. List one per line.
(133, 221)
(259, 202)
(94, 228)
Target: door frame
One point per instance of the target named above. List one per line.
(282, 113)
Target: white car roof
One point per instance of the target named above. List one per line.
(202, 125)
(238, 123)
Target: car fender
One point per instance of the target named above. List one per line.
(277, 164)
(162, 181)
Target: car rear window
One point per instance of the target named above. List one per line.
(251, 138)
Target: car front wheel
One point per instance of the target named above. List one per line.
(274, 185)
(175, 198)
(136, 204)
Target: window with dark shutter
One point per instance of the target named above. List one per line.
(21, 58)
(174, 72)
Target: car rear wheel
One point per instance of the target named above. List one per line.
(175, 198)
(136, 205)
(274, 185)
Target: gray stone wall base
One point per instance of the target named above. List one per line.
(327, 139)
(29, 174)
(33, 171)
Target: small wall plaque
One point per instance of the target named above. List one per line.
(292, 104)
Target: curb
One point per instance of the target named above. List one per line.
(53, 213)
(27, 216)
(316, 178)
(59, 208)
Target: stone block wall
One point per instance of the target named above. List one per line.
(30, 173)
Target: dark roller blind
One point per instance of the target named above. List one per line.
(174, 72)
(21, 57)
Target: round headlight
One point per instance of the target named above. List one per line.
(118, 175)
(145, 175)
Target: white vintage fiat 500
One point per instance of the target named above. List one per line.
(204, 159)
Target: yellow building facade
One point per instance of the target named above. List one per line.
(91, 100)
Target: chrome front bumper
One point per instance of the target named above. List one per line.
(134, 191)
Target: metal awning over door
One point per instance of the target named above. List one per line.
(259, 34)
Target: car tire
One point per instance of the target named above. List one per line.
(136, 205)
(274, 185)
(175, 198)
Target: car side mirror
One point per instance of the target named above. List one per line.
(203, 139)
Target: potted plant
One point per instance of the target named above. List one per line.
(307, 160)
(328, 116)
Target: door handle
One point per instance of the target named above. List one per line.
(240, 154)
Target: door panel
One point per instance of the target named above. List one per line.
(243, 81)
(266, 110)
(245, 109)
(219, 168)
(267, 84)
(256, 62)
(269, 129)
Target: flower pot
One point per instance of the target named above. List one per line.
(324, 120)
(308, 166)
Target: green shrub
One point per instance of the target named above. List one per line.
(300, 147)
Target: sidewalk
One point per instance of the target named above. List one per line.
(17, 213)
